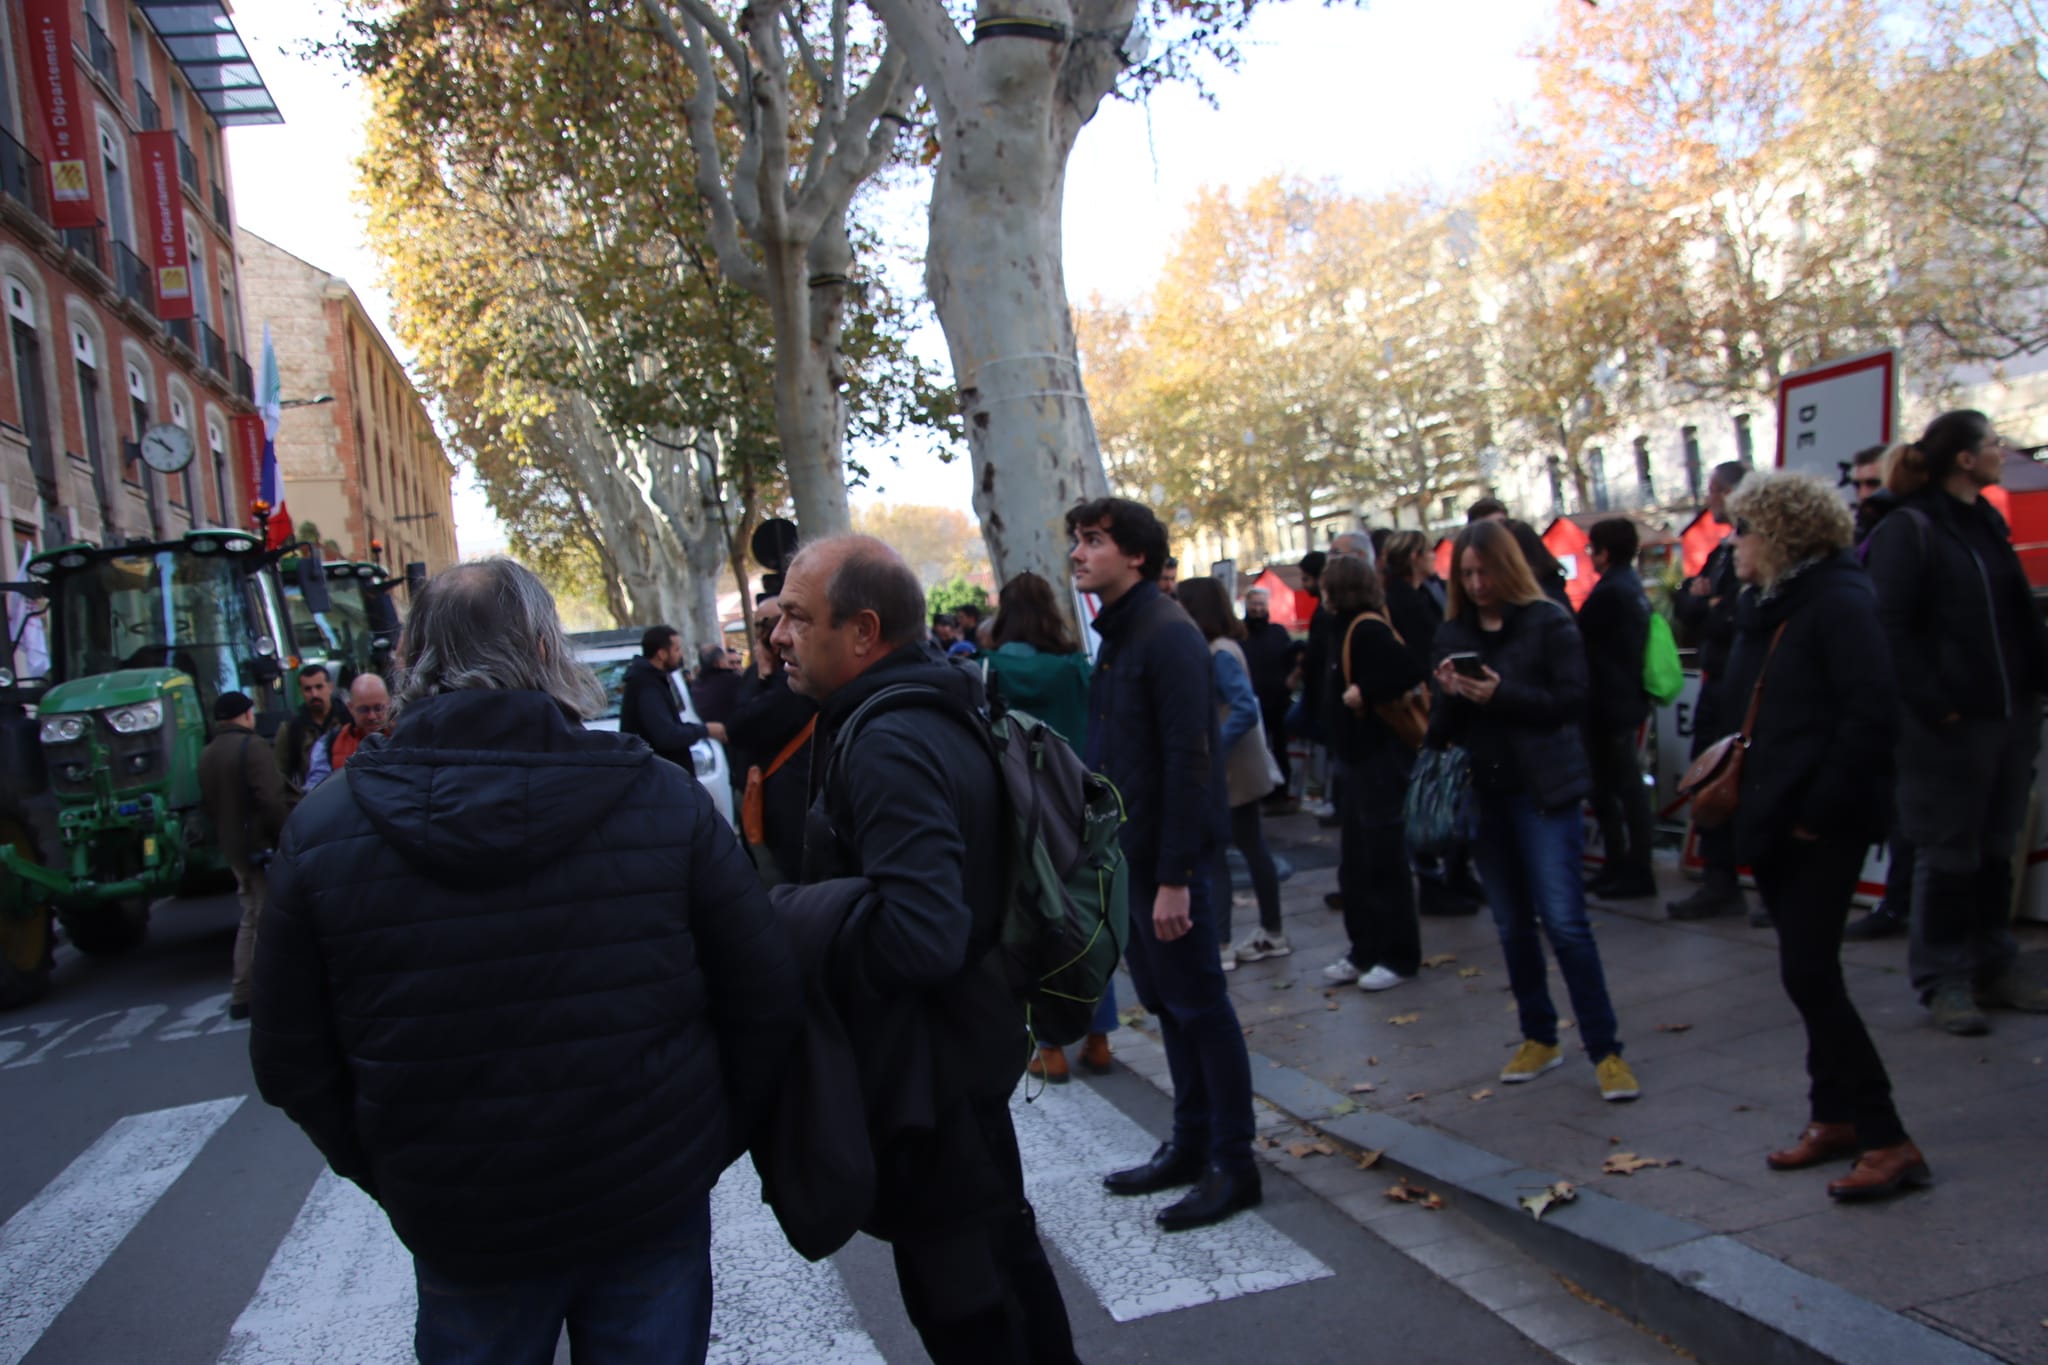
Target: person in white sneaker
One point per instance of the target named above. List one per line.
(1249, 772)
(1370, 666)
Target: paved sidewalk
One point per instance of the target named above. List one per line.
(1720, 1055)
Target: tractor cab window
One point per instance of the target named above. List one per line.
(341, 634)
(165, 610)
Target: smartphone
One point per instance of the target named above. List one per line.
(1468, 666)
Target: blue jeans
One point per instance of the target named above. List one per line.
(1105, 1011)
(1532, 864)
(1182, 982)
(650, 1307)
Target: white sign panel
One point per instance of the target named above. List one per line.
(1827, 414)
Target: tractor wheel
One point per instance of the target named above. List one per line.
(108, 930)
(25, 937)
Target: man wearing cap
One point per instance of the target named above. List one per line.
(246, 802)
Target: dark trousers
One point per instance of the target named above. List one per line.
(1710, 727)
(975, 1280)
(1182, 982)
(1620, 801)
(1248, 836)
(649, 1307)
(1373, 876)
(1898, 878)
(1807, 888)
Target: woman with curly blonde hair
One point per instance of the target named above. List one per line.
(1810, 657)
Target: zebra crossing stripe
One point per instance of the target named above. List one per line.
(338, 1291)
(60, 1239)
(769, 1306)
(1070, 1136)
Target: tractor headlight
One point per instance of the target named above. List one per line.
(63, 729)
(133, 720)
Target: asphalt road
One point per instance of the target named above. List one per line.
(158, 1211)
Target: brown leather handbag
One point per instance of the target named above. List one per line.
(1714, 781)
(1406, 715)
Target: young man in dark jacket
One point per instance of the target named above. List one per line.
(903, 795)
(1153, 731)
(1615, 624)
(517, 980)
(1705, 605)
(320, 715)
(647, 701)
(1972, 660)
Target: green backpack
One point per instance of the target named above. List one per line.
(1663, 675)
(1066, 918)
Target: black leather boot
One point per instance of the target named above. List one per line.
(1221, 1193)
(1169, 1166)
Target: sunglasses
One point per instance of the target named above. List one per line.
(765, 627)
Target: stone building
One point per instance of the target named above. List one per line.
(91, 363)
(359, 457)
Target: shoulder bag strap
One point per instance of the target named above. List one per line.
(791, 749)
(1345, 648)
(1756, 694)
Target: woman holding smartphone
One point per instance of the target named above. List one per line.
(1512, 674)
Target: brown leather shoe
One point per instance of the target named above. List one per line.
(1095, 1054)
(1820, 1142)
(1050, 1066)
(1884, 1171)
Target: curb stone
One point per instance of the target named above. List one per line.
(1708, 1292)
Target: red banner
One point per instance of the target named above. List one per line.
(67, 126)
(249, 461)
(166, 223)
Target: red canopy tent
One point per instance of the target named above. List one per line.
(1444, 548)
(1290, 606)
(1566, 538)
(2022, 499)
(1698, 540)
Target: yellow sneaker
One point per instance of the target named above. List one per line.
(1531, 1060)
(1617, 1082)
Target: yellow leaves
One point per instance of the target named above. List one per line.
(1343, 1107)
(1628, 1163)
(1401, 1192)
(1403, 1020)
(1673, 1028)
(1481, 1095)
(1548, 1198)
(1301, 1150)
(1467, 973)
(1363, 1088)
(1439, 959)
(1366, 1160)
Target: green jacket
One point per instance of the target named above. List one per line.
(1051, 687)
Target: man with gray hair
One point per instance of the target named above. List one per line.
(903, 794)
(518, 981)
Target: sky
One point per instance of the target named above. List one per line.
(1404, 92)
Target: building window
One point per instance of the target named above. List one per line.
(181, 483)
(26, 348)
(86, 360)
(113, 168)
(1646, 479)
(138, 421)
(1596, 470)
(195, 247)
(1745, 444)
(217, 448)
(1691, 437)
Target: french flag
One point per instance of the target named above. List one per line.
(271, 485)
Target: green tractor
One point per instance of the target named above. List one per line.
(100, 812)
(357, 630)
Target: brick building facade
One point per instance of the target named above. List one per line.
(90, 363)
(367, 466)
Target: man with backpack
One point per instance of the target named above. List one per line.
(1153, 732)
(1615, 625)
(904, 793)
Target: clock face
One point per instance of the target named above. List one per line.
(166, 449)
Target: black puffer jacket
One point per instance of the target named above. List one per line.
(1615, 624)
(1821, 754)
(519, 982)
(1965, 636)
(1536, 713)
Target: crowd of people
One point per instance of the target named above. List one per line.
(519, 981)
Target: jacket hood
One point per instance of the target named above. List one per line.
(922, 663)
(483, 786)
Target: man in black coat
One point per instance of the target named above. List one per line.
(715, 689)
(1705, 606)
(767, 720)
(1273, 654)
(1615, 624)
(1153, 732)
(902, 798)
(517, 980)
(647, 701)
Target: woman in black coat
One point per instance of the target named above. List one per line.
(1816, 793)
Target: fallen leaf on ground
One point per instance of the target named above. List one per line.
(1614, 1142)
(1439, 959)
(1372, 1061)
(1673, 1028)
(1418, 1095)
(1264, 1144)
(1299, 1150)
(1363, 1088)
(1365, 1161)
(1482, 1094)
(1332, 1005)
(1299, 1027)
(1401, 1192)
(1548, 1198)
(1276, 1009)
(1628, 1163)
(1403, 1020)
(1469, 972)
(1342, 1107)
(1283, 985)
(1133, 1016)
